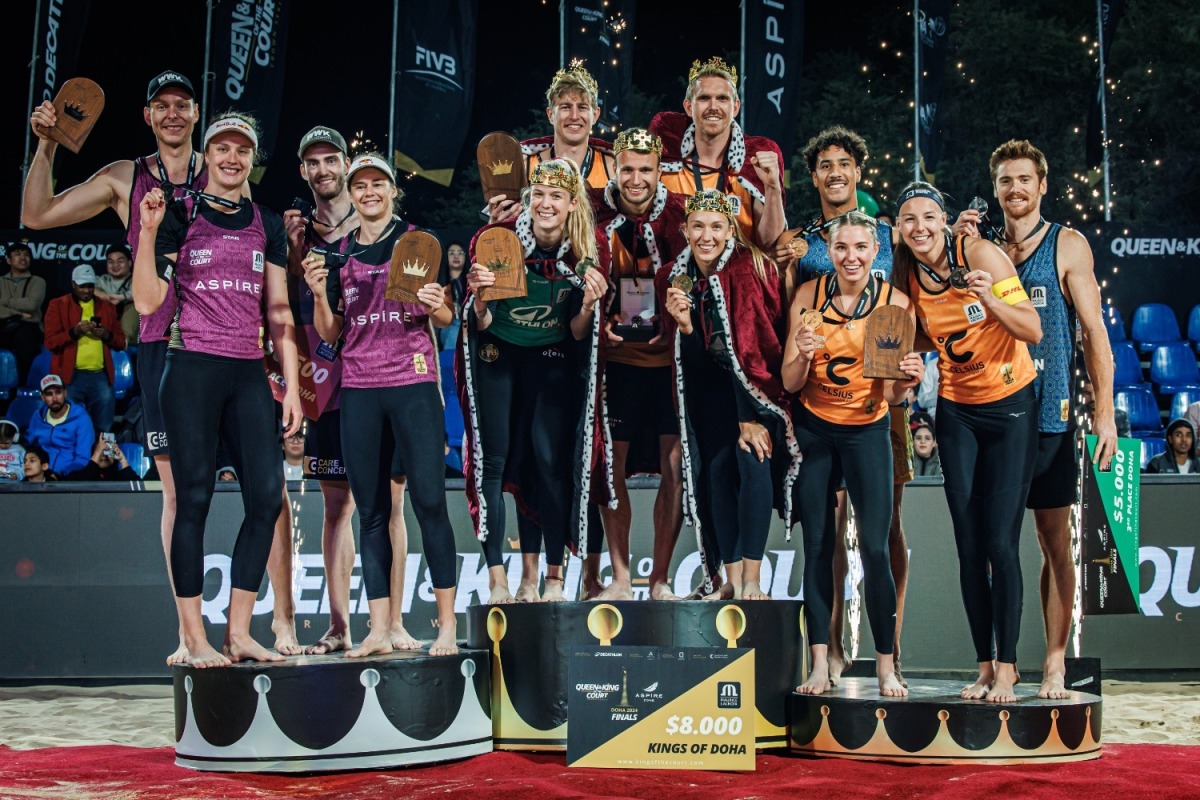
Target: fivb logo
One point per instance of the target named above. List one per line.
(729, 694)
(928, 115)
(443, 64)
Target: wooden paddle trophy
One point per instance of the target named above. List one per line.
(501, 165)
(500, 251)
(415, 260)
(77, 106)
(889, 338)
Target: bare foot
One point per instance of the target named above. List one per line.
(900, 677)
(446, 643)
(818, 680)
(204, 655)
(374, 644)
(1054, 687)
(180, 656)
(723, 592)
(500, 595)
(286, 642)
(331, 642)
(554, 590)
(752, 591)
(980, 688)
(401, 640)
(617, 590)
(592, 588)
(527, 593)
(661, 590)
(890, 686)
(244, 648)
(837, 665)
(1002, 685)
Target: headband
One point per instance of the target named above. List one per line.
(917, 191)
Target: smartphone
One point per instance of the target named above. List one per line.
(110, 443)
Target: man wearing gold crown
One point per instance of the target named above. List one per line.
(642, 222)
(519, 362)
(710, 151)
(723, 303)
(572, 106)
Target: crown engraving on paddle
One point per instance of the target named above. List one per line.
(501, 167)
(498, 265)
(887, 342)
(414, 268)
(75, 112)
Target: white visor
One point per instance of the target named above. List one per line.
(235, 124)
(362, 162)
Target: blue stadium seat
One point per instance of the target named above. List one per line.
(1141, 407)
(8, 373)
(1114, 323)
(39, 369)
(1154, 324)
(1193, 328)
(135, 454)
(122, 373)
(21, 409)
(1127, 366)
(1151, 447)
(1181, 401)
(1173, 369)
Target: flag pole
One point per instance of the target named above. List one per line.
(1104, 114)
(33, 65)
(916, 90)
(395, 67)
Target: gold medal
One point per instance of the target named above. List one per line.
(489, 353)
(583, 267)
(811, 318)
(683, 283)
(317, 257)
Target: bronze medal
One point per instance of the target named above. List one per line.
(489, 353)
(798, 247)
(958, 278)
(683, 283)
(811, 318)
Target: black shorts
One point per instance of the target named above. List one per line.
(151, 362)
(640, 401)
(323, 450)
(1055, 472)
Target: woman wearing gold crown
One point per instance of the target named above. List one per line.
(739, 452)
(843, 430)
(529, 428)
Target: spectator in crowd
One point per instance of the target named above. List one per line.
(107, 463)
(116, 286)
(1192, 415)
(63, 428)
(37, 465)
(82, 332)
(456, 278)
(12, 455)
(926, 462)
(1179, 458)
(293, 456)
(21, 296)
(227, 475)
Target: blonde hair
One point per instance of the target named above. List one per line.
(259, 153)
(581, 223)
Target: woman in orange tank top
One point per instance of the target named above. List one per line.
(842, 427)
(972, 307)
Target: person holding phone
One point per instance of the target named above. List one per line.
(107, 463)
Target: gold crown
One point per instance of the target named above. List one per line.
(555, 173)
(501, 167)
(639, 139)
(414, 268)
(575, 75)
(708, 200)
(714, 66)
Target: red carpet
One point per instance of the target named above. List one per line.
(1126, 772)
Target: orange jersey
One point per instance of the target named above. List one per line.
(597, 168)
(978, 360)
(836, 390)
(684, 183)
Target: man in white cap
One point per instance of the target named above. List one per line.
(12, 455)
(81, 333)
(63, 429)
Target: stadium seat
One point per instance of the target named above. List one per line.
(21, 409)
(1151, 447)
(1173, 369)
(135, 454)
(1181, 401)
(1141, 407)
(1127, 366)
(453, 417)
(1154, 324)
(8, 373)
(122, 373)
(1193, 328)
(39, 369)
(1114, 323)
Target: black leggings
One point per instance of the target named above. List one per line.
(206, 399)
(862, 454)
(375, 424)
(524, 404)
(734, 497)
(988, 453)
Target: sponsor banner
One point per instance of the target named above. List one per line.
(1110, 15)
(774, 49)
(1109, 535)
(435, 87)
(661, 708)
(59, 250)
(249, 43)
(320, 362)
(932, 25)
(1139, 264)
(600, 33)
(59, 35)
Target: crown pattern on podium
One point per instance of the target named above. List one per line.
(372, 741)
(639, 140)
(557, 173)
(715, 67)
(576, 77)
(416, 268)
(709, 200)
